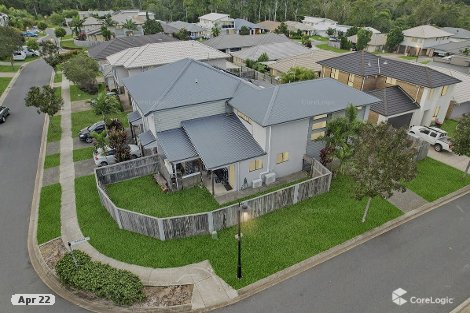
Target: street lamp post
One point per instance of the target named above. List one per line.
(241, 208)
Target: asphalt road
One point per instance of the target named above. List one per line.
(20, 139)
(427, 257)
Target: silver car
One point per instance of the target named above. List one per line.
(103, 158)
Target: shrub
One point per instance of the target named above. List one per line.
(122, 287)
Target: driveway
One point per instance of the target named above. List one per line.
(427, 257)
(449, 158)
(20, 140)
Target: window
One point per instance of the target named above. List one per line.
(444, 90)
(433, 135)
(282, 157)
(334, 73)
(351, 80)
(436, 111)
(391, 81)
(359, 107)
(244, 117)
(320, 116)
(317, 135)
(255, 165)
(319, 125)
(424, 131)
(431, 93)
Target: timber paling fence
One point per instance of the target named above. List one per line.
(200, 223)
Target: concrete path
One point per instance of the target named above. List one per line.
(406, 201)
(449, 158)
(208, 290)
(7, 74)
(84, 168)
(50, 176)
(53, 147)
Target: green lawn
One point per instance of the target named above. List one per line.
(325, 46)
(436, 179)
(49, 213)
(55, 131)
(69, 44)
(79, 95)
(83, 154)
(449, 126)
(408, 57)
(270, 243)
(69, 36)
(424, 62)
(58, 91)
(84, 119)
(4, 81)
(318, 38)
(145, 196)
(52, 160)
(58, 77)
(8, 68)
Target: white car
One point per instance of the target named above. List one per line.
(30, 52)
(435, 136)
(103, 159)
(19, 56)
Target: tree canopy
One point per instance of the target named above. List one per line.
(461, 140)
(45, 100)
(297, 74)
(363, 38)
(82, 70)
(10, 40)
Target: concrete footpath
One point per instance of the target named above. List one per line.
(208, 288)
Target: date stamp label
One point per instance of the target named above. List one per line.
(32, 299)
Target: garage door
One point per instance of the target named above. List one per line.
(401, 121)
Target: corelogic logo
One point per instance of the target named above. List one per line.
(397, 296)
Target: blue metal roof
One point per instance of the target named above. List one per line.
(221, 140)
(176, 145)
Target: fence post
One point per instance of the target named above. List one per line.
(296, 194)
(210, 222)
(161, 231)
(118, 216)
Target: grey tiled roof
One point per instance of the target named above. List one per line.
(275, 51)
(458, 32)
(133, 117)
(176, 145)
(367, 64)
(453, 47)
(242, 41)
(178, 84)
(190, 27)
(107, 48)
(221, 140)
(239, 23)
(394, 101)
(295, 101)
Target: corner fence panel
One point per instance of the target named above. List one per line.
(197, 224)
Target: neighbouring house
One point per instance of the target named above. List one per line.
(459, 34)
(92, 25)
(269, 25)
(254, 28)
(222, 21)
(312, 20)
(460, 103)
(298, 27)
(102, 50)
(451, 48)
(320, 25)
(418, 40)
(168, 29)
(97, 13)
(200, 119)
(431, 90)
(307, 60)
(195, 31)
(132, 61)
(4, 19)
(235, 42)
(376, 43)
(275, 51)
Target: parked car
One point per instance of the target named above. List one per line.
(102, 158)
(29, 34)
(30, 52)
(85, 134)
(19, 56)
(4, 113)
(435, 136)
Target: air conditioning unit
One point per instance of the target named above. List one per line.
(257, 183)
(269, 178)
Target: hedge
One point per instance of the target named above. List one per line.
(122, 287)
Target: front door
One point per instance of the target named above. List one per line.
(231, 176)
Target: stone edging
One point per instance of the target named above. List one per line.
(307, 264)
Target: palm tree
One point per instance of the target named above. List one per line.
(129, 25)
(105, 105)
(109, 22)
(215, 31)
(77, 24)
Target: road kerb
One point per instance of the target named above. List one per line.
(318, 259)
(464, 307)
